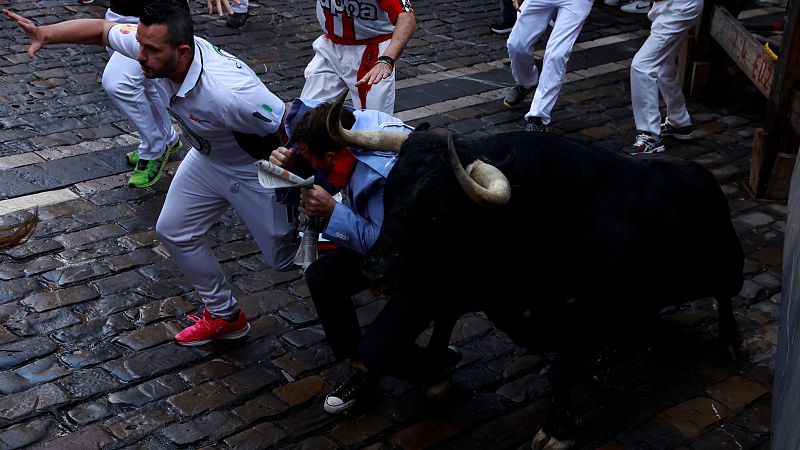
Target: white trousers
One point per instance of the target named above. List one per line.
(654, 68)
(137, 99)
(531, 23)
(334, 68)
(201, 191)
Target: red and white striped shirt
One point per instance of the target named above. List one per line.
(360, 21)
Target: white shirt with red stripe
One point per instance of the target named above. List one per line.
(357, 21)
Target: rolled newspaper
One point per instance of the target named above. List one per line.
(307, 252)
(272, 176)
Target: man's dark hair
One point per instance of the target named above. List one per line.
(311, 128)
(176, 16)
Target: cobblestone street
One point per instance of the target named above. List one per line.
(90, 304)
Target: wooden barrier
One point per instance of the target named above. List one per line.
(743, 48)
(776, 142)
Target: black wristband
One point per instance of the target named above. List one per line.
(386, 59)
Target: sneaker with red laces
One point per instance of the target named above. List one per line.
(646, 143)
(208, 328)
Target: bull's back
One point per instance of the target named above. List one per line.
(630, 225)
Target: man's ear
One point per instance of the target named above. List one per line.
(184, 51)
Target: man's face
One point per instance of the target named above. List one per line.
(157, 58)
(324, 165)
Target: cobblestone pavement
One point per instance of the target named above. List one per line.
(89, 306)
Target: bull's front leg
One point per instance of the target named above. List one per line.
(561, 425)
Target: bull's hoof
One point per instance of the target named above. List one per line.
(543, 441)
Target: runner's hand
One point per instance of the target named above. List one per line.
(30, 28)
(379, 72)
(282, 157)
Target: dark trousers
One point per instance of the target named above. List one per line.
(388, 343)
(507, 11)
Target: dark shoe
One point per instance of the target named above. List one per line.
(516, 95)
(236, 20)
(345, 395)
(682, 133)
(502, 27)
(535, 124)
(148, 172)
(645, 143)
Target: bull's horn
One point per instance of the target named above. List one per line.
(11, 235)
(373, 140)
(484, 183)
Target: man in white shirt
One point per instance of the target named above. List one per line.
(228, 116)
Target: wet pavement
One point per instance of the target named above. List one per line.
(88, 307)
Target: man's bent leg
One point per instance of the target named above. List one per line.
(192, 207)
(323, 81)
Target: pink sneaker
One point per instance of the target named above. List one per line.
(207, 328)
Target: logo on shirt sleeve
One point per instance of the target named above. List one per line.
(127, 28)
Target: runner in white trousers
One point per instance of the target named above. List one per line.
(358, 51)
(531, 23)
(655, 69)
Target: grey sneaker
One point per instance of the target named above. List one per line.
(682, 133)
(645, 143)
(535, 124)
(516, 95)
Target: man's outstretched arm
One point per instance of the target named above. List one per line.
(79, 31)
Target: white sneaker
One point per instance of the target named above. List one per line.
(636, 7)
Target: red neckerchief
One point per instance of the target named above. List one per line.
(344, 163)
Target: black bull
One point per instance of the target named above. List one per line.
(588, 238)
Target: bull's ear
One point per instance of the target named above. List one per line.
(423, 126)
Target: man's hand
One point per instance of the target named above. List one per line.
(379, 72)
(517, 4)
(220, 4)
(316, 202)
(30, 28)
(282, 157)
